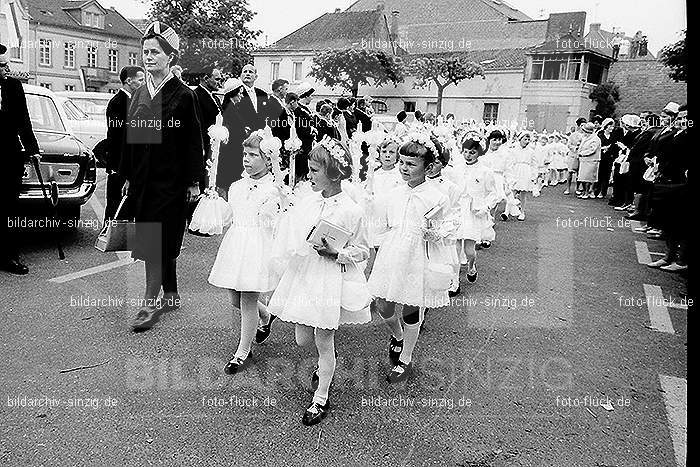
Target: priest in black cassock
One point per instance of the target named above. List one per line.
(15, 126)
(162, 163)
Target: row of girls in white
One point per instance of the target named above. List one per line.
(424, 211)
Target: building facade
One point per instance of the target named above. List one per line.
(75, 45)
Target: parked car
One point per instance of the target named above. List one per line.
(92, 103)
(89, 130)
(67, 164)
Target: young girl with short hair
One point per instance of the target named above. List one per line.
(403, 272)
(523, 170)
(322, 286)
(243, 262)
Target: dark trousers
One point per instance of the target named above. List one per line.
(115, 182)
(604, 169)
(9, 196)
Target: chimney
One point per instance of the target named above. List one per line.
(594, 27)
(394, 28)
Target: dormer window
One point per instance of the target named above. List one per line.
(93, 20)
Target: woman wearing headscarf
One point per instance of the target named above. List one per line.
(162, 163)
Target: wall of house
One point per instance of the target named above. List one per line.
(6, 23)
(645, 86)
(59, 76)
(466, 100)
(555, 105)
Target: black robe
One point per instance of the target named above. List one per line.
(160, 165)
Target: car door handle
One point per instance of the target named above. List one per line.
(65, 172)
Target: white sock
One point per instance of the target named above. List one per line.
(249, 325)
(410, 340)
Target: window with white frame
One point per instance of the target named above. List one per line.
(113, 60)
(133, 59)
(45, 52)
(69, 87)
(45, 85)
(92, 56)
(91, 19)
(274, 71)
(298, 67)
(69, 55)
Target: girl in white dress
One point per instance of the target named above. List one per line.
(322, 286)
(386, 178)
(243, 263)
(479, 195)
(406, 270)
(543, 161)
(522, 171)
(498, 158)
(557, 152)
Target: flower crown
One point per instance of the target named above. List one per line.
(334, 148)
(474, 136)
(423, 140)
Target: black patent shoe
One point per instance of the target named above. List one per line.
(14, 267)
(263, 331)
(395, 349)
(145, 319)
(400, 372)
(315, 413)
(454, 293)
(504, 217)
(486, 245)
(472, 274)
(237, 364)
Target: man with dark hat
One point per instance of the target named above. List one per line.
(15, 133)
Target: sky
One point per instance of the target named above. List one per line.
(661, 20)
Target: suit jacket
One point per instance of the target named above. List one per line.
(15, 128)
(363, 118)
(116, 112)
(306, 131)
(278, 119)
(208, 109)
(255, 120)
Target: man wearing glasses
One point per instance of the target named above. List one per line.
(15, 133)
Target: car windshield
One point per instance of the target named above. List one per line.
(73, 112)
(44, 114)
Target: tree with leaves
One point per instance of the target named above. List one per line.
(212, 33)
(675, 56)
(606, 97)
(350, 68)
(443, 70)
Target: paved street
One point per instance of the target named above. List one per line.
(562, 354)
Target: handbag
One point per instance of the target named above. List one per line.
(117, 234)
(354, 295)
(438, 276)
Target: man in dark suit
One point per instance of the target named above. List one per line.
(306, 131)
(132, 78)
(278, 118)
(208, 108)
(15, 134)
(364, 120)
(250, 113)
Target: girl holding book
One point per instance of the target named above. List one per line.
(403, 272)
(243, 263)
(324, 240)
